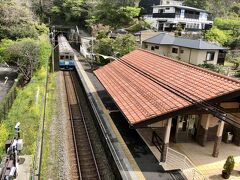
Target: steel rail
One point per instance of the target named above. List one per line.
(85, 126)
(72, 126)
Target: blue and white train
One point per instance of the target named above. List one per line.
(66, 54)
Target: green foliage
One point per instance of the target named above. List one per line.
(124, 44)
(45, 50)
(69, 10)
(73, 7)
(227, 23)
(120, 46)
(113, 14)
(104, 46)
(26, 107)
(202, 4)
(48, 150)
(217, 35)
(56, 10)
(25, 55)
(216, 68)
(16, 22)
(233, 57)
(41, 28)
(3, 138)
(138, 26)
(4, 44)
(236, 9)
(226, 31)
(229, 165)
(178, 31)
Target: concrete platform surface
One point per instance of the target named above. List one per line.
(200, 156)
(24, 167)
(209, 166)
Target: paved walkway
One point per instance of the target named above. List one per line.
(24, 167)
(4, 88)
(202, 158)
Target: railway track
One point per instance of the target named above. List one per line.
(86, 165)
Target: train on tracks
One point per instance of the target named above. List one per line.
(66, 54)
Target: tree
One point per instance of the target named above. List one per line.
(124, 44)
(202, 4)
(104, 46)
(234, 57)
(138, 26)
(16, 21)
(113, 13)
(120, 46)
(217, 35)
(25, 55)
(4, 44)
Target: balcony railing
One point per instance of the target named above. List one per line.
(163, 15)
(191, 16)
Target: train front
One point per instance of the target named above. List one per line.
(66, 54)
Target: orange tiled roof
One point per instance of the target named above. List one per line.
(140, 98)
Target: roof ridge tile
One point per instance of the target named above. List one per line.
(191, 65)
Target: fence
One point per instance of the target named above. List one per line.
(7, 102)
(176, 160)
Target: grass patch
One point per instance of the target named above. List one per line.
(26, 108)
(228, 64)
(49, 154)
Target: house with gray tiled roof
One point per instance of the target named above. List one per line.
(188, 50)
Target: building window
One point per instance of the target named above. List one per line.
(181, 51)
(167, 8)
(175, 50)
(161, 11)
(210, 56)
(146, 46)
(168, 2)
(156, 47)
(152, 48)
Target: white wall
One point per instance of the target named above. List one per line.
(192, 56)
(163, 49)
(168, 10)
(170, 2)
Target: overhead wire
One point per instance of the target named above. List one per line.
(215, 111)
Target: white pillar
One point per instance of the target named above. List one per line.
(166, 140)
(218, 139)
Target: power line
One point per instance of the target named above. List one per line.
(215, 111)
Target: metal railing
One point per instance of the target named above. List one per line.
(176, 160)
(157, 141)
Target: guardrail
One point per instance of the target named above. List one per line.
(177, 160)
(8, 100)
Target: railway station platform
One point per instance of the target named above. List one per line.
(200, 157)
(137, 160)
(127, 165)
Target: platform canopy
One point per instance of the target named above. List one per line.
(148, 87)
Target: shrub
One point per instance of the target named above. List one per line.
(229, 165)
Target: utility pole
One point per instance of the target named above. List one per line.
(53, 46)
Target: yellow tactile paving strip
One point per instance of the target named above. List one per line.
(128, 154)
(209, 166)
(213, 170)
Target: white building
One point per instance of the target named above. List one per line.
(169, 13)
